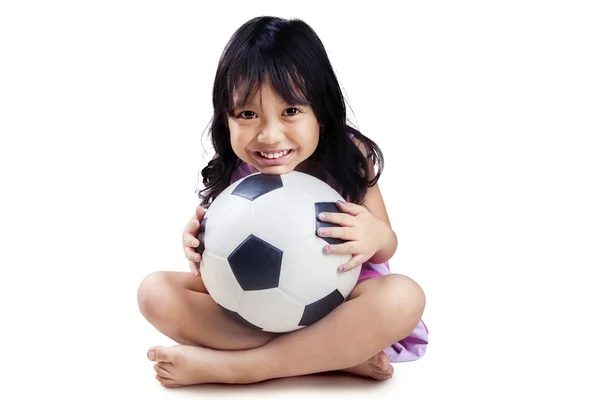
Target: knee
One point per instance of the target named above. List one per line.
(153, 296)
(403, 297)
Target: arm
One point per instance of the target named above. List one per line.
(376, 206)
(365, 228)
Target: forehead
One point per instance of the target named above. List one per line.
(254, 95)
(244, 93)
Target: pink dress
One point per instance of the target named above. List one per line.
(410, 348)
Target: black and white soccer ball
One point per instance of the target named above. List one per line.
(262, 260)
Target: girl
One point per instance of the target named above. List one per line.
(277, 108)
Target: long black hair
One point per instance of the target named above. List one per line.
(289, 56)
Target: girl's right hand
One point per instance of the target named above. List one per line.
(191, 242)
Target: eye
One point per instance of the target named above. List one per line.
(292, 111)
(246, 115)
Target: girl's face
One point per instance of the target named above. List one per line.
(272, 135)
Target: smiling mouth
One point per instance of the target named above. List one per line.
(273, 155)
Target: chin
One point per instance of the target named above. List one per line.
(275, 169)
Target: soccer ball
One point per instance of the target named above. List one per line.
(262, 260)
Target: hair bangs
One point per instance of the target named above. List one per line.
(247, 76)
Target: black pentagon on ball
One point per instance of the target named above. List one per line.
(256, 264)
(257, 185)
(329, 207)
(238, 317)
(320, 308)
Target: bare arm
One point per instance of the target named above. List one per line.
(375, 204)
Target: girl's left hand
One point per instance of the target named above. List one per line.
(364, 233)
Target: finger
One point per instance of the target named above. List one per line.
(350, 208)
(340, 218)
(190, 241)
(344, 233)
(354, 262)
(194, 268)
(192, 255)
(191, 228)
(344, 248)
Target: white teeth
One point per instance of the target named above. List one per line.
(274, 155)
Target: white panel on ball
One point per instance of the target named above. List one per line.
(282, 218)
(216, 273)
(313, 188)
(347, 280)
(271, 309)
(233, 222)
(307, 274)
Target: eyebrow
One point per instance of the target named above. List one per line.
(238, 103)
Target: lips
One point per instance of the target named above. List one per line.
(274, 154)
(273, 157)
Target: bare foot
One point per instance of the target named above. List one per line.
(377, 367)
(189, 365)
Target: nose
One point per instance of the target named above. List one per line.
(270, 134)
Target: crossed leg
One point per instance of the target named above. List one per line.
(215, 348)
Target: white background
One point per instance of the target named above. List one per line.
(488, 115)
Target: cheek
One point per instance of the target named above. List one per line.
(309, 132)
(237, 142)
(234, 139)
(235, 135)
(313, 139)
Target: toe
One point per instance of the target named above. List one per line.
(161, 370)
(159, 353)
(383, 361)
(384, 375)
(166, 382)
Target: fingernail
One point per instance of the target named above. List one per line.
(321, 216)
(342, 269)
(328, 249)
(151, 355)
(341, 201)
(196, 243)
(321, 232)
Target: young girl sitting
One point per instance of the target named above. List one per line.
(278, 107)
